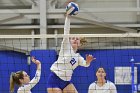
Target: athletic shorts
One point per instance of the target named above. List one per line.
(55, 82)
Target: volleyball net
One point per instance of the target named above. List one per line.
(112, 51)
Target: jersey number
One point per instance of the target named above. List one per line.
(73, 61)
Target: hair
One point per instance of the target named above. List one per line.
(14, 79)
(99, 68)
(83, 40)
(104, 70)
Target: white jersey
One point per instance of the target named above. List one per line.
(27, 88)
(68, 60)
(108, 87)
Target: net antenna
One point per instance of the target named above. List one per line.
(134, 86)
(132, 74)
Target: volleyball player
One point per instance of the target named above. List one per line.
(59, 80)
(22, 79)
(102, 85)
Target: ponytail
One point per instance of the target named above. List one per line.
(83, 40)
(12, 82)
(15, 79)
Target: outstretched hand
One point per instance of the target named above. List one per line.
(89, 58)
(35, 61)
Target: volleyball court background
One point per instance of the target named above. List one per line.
(12, 61)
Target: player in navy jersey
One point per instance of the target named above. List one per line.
(60, 78)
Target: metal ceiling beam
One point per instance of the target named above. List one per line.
(82, 10)
(16, 7)
(11, 18)
(20, 27)
(49, 16)
(89, 19)
(19, 11)
(62, 26)
(4, 47)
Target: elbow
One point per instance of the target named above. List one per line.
(37, 79)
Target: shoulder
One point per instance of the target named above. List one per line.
(78, 54)
(111, 84)
(20, 89)
(92, 85)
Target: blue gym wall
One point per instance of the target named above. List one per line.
(11, 61)
(107, 59)
(47, 58)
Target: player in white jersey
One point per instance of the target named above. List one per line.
(22, 79)
(102, 85)
(68, 60)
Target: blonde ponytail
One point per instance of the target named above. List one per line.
(12, 83)
(14, 79)
(83, 40)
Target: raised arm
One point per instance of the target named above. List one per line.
(36, 79)
(65, 45)
(38, 63)
(67, 25)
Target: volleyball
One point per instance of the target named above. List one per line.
(72, 8)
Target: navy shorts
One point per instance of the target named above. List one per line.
(55, 82)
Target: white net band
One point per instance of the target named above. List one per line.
(71, 35)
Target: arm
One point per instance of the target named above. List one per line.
(86, 63)
(65, 46)
(36, 79)
(67, 25)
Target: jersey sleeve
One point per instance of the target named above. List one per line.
(91, 88)
(33, 82)
(82, 61)
(65, 45)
